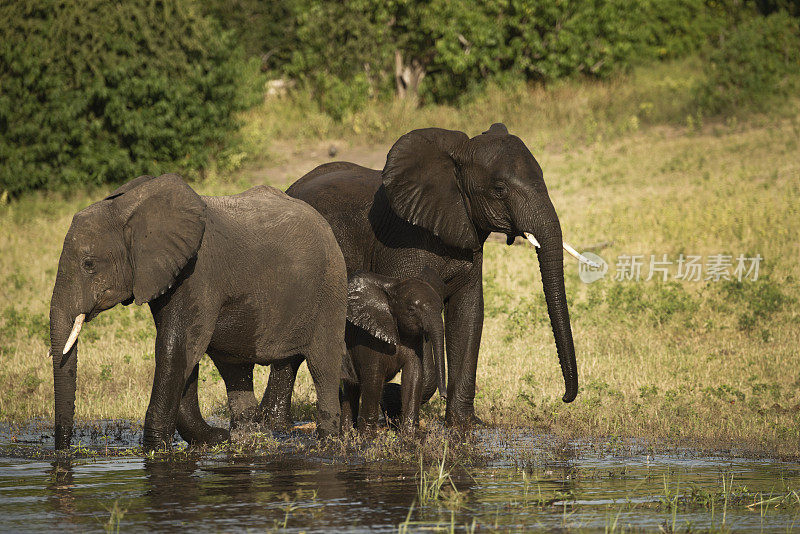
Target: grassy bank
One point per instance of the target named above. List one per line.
(626, 162)
(562, 117)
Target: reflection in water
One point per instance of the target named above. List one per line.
(529, 484)
(61, 484)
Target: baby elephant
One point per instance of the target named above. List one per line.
(391, 325)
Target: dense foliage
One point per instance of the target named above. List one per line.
(755, 61)
(96, 91)
(346, 52)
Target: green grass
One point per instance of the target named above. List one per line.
(626, 161)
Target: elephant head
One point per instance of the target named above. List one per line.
(129, 246)
(462, 189)
(391, 309)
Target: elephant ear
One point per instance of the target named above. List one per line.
(422, 183)
(164, 221)
(368, 306)
(133, 184)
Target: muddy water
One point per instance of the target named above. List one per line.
(528, 484)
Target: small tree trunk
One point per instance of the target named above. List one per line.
(407, 77)
(398, 74)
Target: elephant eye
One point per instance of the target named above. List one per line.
(88, 265)
(500, 190)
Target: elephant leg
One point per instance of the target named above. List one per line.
(325, 372)
(238, 378)
(411, 391)
(392, 403)
(191, 425)
(371, 389)
(463, 325)
(168, 386)
(276, 406)
(349, 395)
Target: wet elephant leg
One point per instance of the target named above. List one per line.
(392, 403)
(191, 425)
(371, 389)
(169, 383)
(326, 373)
(276, 406)
(349, 396)
(238, 378)
(463, 324)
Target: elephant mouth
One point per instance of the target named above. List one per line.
(105, 301)
(567, 247)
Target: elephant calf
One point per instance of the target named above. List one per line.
(253, 278)
(392, 325)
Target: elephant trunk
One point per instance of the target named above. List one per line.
(545, 226)
(435, 331)
(65, 368)
(551, 264)
(433, 366)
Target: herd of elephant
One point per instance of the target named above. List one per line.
(361, 273)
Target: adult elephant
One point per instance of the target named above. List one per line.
(251, 278)
(432, 207)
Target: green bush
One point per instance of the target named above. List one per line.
(341, 52)
(755, 62)
(96, 92)
(462, 48)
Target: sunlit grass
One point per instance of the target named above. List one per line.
(711, 362)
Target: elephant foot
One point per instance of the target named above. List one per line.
(328, 425)
(207, 436)
(409, 430)
(249, 418)
(216, 436)
(346, 424)
(277, 419)
(212, 436)
(368, 430)
(463, 419)
(62, 437)
(156, 440)
(280, 425)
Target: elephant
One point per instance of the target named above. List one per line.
(392, 325)
(249, 279)
(434, 203)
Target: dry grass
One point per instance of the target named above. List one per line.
(712, 362)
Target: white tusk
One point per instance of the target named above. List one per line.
(532, 239)
(580, 257)
(76, 329)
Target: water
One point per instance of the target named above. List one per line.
(528, 482)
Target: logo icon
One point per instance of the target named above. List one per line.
(591, 273)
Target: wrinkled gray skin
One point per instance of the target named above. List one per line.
(392, 325)
(432, 206)
(252, 278)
